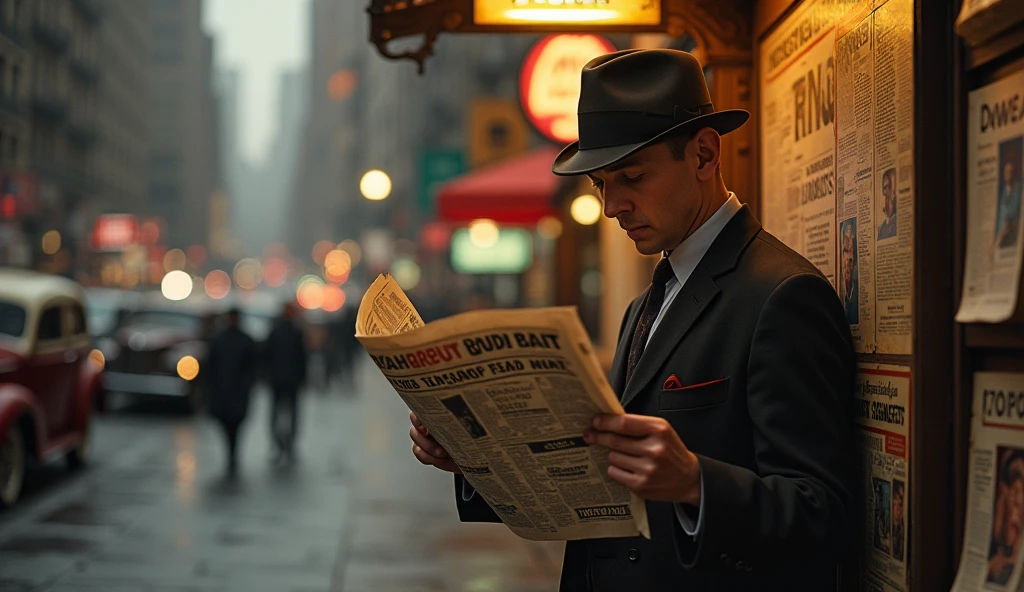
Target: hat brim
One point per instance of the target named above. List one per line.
(573, 161)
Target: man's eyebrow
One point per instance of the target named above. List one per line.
(616, 166)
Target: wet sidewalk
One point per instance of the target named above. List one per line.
(356, 513)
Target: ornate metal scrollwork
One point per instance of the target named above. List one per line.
(395, 19)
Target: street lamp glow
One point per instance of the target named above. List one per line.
(51, 242)
(483, 233)
(176, 285)
(586, 209)
(375, 185)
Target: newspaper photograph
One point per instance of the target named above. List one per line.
(995, 161)
(991, 557)
(875, 174)
(797, 137)
(883, 399)
(508, 393)
(854, 180)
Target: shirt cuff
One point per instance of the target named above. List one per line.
(468, 492)
(684, 513)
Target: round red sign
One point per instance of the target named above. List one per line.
(549, 83)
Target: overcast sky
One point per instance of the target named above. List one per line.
(262, 38)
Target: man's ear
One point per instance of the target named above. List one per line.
(709, 152)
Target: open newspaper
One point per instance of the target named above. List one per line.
(991, 557)
(508, 393)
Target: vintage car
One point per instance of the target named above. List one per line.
(49, 375)
(157, 350)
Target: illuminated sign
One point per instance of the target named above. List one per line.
(549, 83)
(591, 13)
(512, 253)
(115, 232)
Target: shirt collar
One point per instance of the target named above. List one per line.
(687, 255)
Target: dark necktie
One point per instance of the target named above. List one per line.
(651, 307)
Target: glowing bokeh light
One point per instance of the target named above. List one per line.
(375, 185)
(310, 292)
(337, 266)
(149, 232)
(332, 298)
(51, 242)
(351, 247)
(174, 260)
(96, 357)
(586, 209)
(188, 367)
(320, 250)
(217, 284)
(406, 272)
(176, 285)
(483, 233)
(549, 227)
(248, 273)
(275, 271)
(342, 84)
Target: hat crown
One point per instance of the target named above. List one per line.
(659, 81)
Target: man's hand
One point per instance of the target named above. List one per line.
(427, 450)
(647, 456)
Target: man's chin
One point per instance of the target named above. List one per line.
(647, 247)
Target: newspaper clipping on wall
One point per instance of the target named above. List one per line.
(995, 161)
(797, 137)
(508, 393)
(883, 399)
(875, 174)
(991, 558)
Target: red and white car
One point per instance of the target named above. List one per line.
(49, 375)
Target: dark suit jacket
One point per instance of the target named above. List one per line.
(764, 337)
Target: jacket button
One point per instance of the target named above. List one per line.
(633, 555)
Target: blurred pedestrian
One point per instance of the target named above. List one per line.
(229, 373)
(285, 363)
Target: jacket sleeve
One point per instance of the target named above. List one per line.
(800, 502)
(475, 509)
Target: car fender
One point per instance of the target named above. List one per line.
(90, 386)
(15, 401)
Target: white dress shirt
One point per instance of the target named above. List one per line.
(684, 259)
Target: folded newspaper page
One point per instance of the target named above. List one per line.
(508, 393)
(991, 557)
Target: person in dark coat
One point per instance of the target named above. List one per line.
(229, 373)
(285, 362)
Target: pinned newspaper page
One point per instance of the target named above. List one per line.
(883, 400)
(991, 558)
(508, 393)
(995, 161)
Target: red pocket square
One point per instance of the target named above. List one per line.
(674, 384)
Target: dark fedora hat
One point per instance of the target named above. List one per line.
(637, 97)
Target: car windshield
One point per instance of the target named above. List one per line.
(165, 319)
(12, 319)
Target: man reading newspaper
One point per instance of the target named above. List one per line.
(735, 367)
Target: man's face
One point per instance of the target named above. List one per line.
(847, 266)
(654, 197)
(1009, 518)
(897, 509)
(889, 206)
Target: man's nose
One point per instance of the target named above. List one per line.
(615, 205)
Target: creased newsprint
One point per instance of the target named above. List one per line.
(991, 558)
(995, 160)
(883, 415)
(508, 393)
(797, 136)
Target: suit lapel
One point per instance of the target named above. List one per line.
(617, 374)
(697, 293)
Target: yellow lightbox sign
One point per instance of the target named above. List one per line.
(597, 13)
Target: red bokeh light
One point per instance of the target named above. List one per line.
(333, 298)
(275, 271)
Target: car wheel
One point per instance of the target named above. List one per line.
(79, 455)
(12, 466)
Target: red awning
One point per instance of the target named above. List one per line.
(517, 191)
